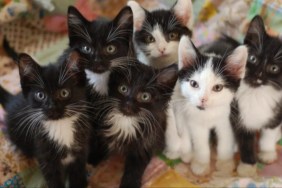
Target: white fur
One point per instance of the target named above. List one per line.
(184, 10)
(61, 131)
(68, 159)
(99, 82)
(156, 58)
(256, 105)
(138, 14)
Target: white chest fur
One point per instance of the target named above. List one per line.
(99, 82)
(61, 131)
(256, 105)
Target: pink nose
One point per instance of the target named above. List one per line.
(162, 50)
(204, 100)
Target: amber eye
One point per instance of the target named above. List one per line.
(150, 39)
(173, 36)
(111, 49)
(65, 93)
(194, 84)
(217, 87)
(39, 96)
(144, 97)
(274, 69)
(123, 89)
(86, 49)
(252, 59)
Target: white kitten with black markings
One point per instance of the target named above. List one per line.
(202, 101)
(157, 33)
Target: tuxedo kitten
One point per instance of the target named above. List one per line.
(201, 102)
(259, 99)
(48, 119)
(157, 33)
(133, 121)
(102, 44)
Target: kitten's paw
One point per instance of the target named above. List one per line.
(186, 157)
(200, 169)
(224, 168)
(267, 157)
(172, 154)
(247, 170)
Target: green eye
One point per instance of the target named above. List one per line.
(64, 93)
(123, 89)
(39, 96)
(252, 59)
(150, 39)
(144, 97)
(86, 49)
(173, 36)
(274, 69)
(217, 88)
(111, 49)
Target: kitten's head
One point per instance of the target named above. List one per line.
(157, 33)
(140, 90)
(264, 65)
(55, 91)
(208, 80)
(101, 42)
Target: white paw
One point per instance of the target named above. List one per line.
(247, 170)
(186, 157)
(224, 168)
(200, 169)
(172, 154)
(267, 156)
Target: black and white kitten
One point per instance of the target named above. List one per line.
(102, 44)
(259, 99)
(48, 119)
(157, 33)
(133, 118)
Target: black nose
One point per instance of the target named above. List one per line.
(54, 114)
(127, 108)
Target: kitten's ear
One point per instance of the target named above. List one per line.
(183, 9)
(187, 53)
(28, 68)
(124, 19)
(75, 17)
(255, 32)
(168, 76)
(139, 14)
(72, 63)
(236, 62)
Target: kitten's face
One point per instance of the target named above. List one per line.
(209, 81)
(139, 89)
(157, 33)
(56, 91)
(264, 65)
(101, 42)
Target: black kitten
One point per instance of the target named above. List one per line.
(133, 117)
(48, 121)
(258, 105)
(103, 44)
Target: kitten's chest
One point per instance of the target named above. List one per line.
(257, 106)
(98, 82)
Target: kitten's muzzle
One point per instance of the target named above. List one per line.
(100, 67)
(128, 109)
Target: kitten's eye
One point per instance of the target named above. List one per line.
(123, 89)
(150, 39)
(144, 97)
(194, 84)
(274, 69)
(86, 49)
(173, 36)
(217, 88)
(39, 96)
(111, 49)
(252, 59)
(65, 93)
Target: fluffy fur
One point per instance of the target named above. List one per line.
(133, 118)
(48, 119)
(157, 33)
(201, 102)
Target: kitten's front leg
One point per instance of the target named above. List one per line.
(267, 143)
(201, 159)
(186, 146)
(246, 141)
(77, 173)
(135, 166)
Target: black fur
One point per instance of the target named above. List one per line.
(42, 100)
(138, 150)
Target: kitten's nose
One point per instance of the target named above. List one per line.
(204, 100)
(162, 50)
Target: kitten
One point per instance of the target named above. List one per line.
(133, 118)
(102, 44)
(48, 119)
(157, 33)
(201, 102)
(259, 99)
